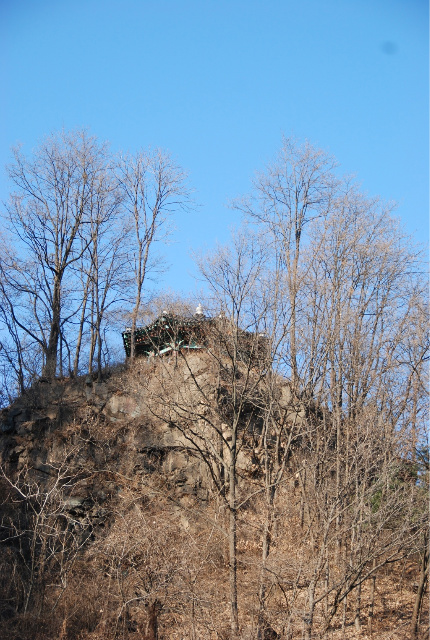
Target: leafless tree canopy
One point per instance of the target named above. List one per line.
(80, 239)
(302, 410)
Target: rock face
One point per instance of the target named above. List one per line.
(86, 458)
(89, 427)
(134, 422)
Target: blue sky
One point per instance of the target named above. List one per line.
(217, 83)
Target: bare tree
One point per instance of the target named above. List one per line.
(107, 261)
(296, 189)
(348, 289)
(153, 189)
(72, 219)
(209, 396)
(48, 214)
(46, 537)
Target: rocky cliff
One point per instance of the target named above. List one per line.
(115, 513)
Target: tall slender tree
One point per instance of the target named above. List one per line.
(48, 215)
(153, 188)
(296, 188)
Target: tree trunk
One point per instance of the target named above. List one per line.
(80, 332)
(153, 611)
(133, 329)
(262, 590)
(424, 573)
(99, 353)
(372, 604)
(50, 367)
(357, 621)
(345, 606)
(234, 620)
(309, 617)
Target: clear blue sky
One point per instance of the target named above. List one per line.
(217, 82)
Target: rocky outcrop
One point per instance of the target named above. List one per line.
(101, 434)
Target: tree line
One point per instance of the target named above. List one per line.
(79, 239)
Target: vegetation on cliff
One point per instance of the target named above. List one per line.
(271, 483)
